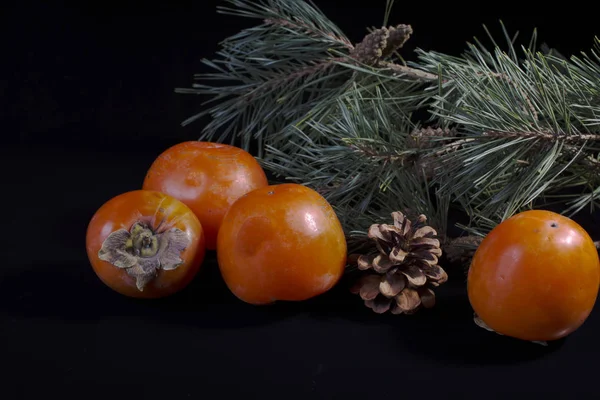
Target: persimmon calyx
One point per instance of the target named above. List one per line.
(142, 252)
(479, 322)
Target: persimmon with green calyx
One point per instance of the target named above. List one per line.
(281, 242)
(534, 277)
(207, 177)
(145, 244)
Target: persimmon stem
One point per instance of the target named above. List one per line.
(143, 241)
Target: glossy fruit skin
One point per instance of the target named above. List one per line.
(535, 276)
(162, 212)
(208, 177)
(281, 242)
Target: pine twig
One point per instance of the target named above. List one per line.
(548, 136)
(372, 153)
(410, 72)
(315, 32)
(282, 79)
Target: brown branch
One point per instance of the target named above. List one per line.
(370, 152)
(311, 30)
(588, 161)
(452, 146)
(544, 135)
(426, 132)
(410, 72)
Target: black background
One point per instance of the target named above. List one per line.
(87, 103)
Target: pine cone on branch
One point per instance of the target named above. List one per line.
(397, 36)
(370, 50)
(429, 137)
(381, 43)
(403, 269)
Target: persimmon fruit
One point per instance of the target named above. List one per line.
(535, 276)
(281, 243)
(208, 177)
(145, 244)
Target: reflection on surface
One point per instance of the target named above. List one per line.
(310, 220)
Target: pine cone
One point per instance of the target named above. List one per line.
(429, 137)
(403, 268)
(381, 43)
(398, 35)
(370, 50)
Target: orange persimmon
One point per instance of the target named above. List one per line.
(145, 244)
(281, 242)
(207, 177)
(535, 276)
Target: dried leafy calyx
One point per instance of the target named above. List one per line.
(403, 268)
(142, 252)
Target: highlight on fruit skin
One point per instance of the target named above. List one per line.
(534, 277)
(281, 243)
(145, 244)
(208, 177)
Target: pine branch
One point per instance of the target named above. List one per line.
(298, 15)
(515, 128)
(289, 68)
(410, 72)
(312, 30)
(273, 74)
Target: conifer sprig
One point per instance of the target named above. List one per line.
(509, 127)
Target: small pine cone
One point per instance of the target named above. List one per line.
(398, 35)
(425, 139)
(403, 269)
(429, 137)
(370, 50)
(381, 43)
